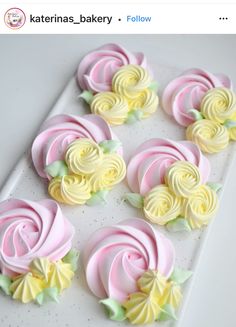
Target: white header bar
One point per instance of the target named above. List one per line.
(116, 19)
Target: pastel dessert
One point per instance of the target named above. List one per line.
(117, 85)
(80, 156)
(206, 104)
(130, 267)
(37, 261)
(170, 183)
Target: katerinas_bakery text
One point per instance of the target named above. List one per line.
(71, 19)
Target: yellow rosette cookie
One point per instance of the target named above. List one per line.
(142, 308)
(110, 106)
(209, 135)
(70, 189)
(161, 205)
(147, 101)
(200, 207)
(130, 80)
(83, 156)
(183, 178)
(218, 104)
(111, 172)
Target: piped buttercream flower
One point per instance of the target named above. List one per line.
(131, 80)
(30, 230)
(111, 172)
(70, 189)
(161, 205)
(209, 135)
(59, 131)
(142, 308)
(200, 207)
(183, 178)
(150, 161)
(218, 104)
(111, 106)
(115, 257)
(152, 282)
(187, 91)
(97, 68)
(146, 101)
(83, 156)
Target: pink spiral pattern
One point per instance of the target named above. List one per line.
(59, 131)
(115, 257)
(186, 92)
(97, 68)
(147, 168)
(30, 230)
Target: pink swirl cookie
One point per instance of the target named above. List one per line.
(186, 92)
(97, 68)
(115, 257)
(148, 166)
(59, 131)
(30, 230)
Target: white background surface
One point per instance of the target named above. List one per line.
(35, 69)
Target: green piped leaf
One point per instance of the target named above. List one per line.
(230, 123)
(195, 114)
(5, 283)
(134, 116)
(87, 96)
(110, 146)
(50, 294)
(97, 198)
(153, 86)
(168, 313)
(72, 258)
(135, 199)
(215, 186)
(114, 310)
(180, 276)
(57, 168)
(179, 224)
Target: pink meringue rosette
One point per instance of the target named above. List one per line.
(150, 161)
(187, 91)
(37, 261)
(61, 130)
(30, 230)
(115, 257)
(97, 68)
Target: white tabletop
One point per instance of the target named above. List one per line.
(34, 69)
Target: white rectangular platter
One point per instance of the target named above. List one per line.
(78, 307)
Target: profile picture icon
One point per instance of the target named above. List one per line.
(14, 18)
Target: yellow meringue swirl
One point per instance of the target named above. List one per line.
(172, 295)
(218, 104)
(110, 106)
(130, 80)
(70, 189)
(111, 172)
(25, 288)
(183, 178)
(200, 207)
(40, 267)
(209, 135)
(83, 156)
(142, 308)
(152, 282)
(61, 275)
(147, 101)
(161, 205)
